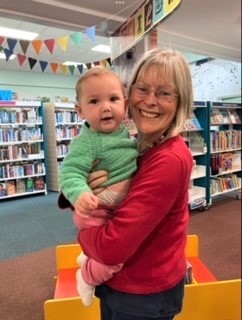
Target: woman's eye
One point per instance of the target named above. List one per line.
(163, 93)
(142, 89)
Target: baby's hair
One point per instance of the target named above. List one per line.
(96, 72)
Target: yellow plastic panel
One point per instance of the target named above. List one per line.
(219, 300)
(66, 256)
(70, 308)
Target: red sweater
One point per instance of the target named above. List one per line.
(148, 232)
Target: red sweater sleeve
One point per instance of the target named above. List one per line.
(159, 186)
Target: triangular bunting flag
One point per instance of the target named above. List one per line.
(71, 68)
(1, 40)
(43, 65)
(109, 61)
(63, 42)
(96, 63)
(77, 38)
(88, 65)
(8, 53)
(50, 44)
(21, 59)
(11, 44)
(64, 68)
(37, 45)
(91, 33)
(80, 68)
(24, 44)
(54, 67)
(1, 49)
(32, 62)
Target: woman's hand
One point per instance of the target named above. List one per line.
(96, 179)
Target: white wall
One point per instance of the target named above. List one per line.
(217, 79)
(33, 84)
(212, 80)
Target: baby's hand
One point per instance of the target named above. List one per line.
(86, 203)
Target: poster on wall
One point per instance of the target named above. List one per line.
(147, 16)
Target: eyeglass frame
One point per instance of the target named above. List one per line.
(160, 93)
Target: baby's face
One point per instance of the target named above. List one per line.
(102, 102)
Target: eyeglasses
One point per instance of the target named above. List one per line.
(161, 94)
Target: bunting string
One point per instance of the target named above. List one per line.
(55, 67)
(50, 44)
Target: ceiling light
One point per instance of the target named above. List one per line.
(102, 48)
(72, 63)
(17, 34)
(3, 56)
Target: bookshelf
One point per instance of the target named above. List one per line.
(196, 135)
(61, 124)
(22, 158)
(225, 148)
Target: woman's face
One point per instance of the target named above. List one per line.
(153, 104)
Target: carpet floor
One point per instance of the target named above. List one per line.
(27, 265)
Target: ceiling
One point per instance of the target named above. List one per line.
(205, 28)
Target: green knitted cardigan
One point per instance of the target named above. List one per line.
(116, 151)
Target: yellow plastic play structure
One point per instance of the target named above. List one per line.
(205, 299)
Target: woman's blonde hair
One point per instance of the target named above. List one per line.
(172, 66)
(95, 72)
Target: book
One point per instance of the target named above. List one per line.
(227, 160)
(39, 183)
(20, 185)
(234, 116)
(11, 187)
(29, 183)
(3, 191)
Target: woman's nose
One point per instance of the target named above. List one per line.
(150, 98)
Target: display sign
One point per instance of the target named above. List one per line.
(147, 16)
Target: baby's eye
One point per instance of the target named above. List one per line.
(93, 101)
(114, 98)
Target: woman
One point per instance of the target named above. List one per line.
(148, 231)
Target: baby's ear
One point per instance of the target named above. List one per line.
(78, 109)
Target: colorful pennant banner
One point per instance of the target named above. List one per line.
(50, 44)
(53, 65)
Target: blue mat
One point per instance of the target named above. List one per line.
(29, 224)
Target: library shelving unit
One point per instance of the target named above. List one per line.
(196, 135)
(225, 149)
(22, 164)
(61, 124)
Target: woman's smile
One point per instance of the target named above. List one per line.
(149, 114)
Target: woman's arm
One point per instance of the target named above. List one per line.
(151, 197)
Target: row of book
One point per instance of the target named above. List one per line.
(192, 123)
(20, 151)
(222, 162)
(67, 132)
(225, 140)
(222, 184)
(22, 169)
(19, 116)
(224, 116)
(67, 117)
(11, 134)
(21, 186)
(62, 149)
